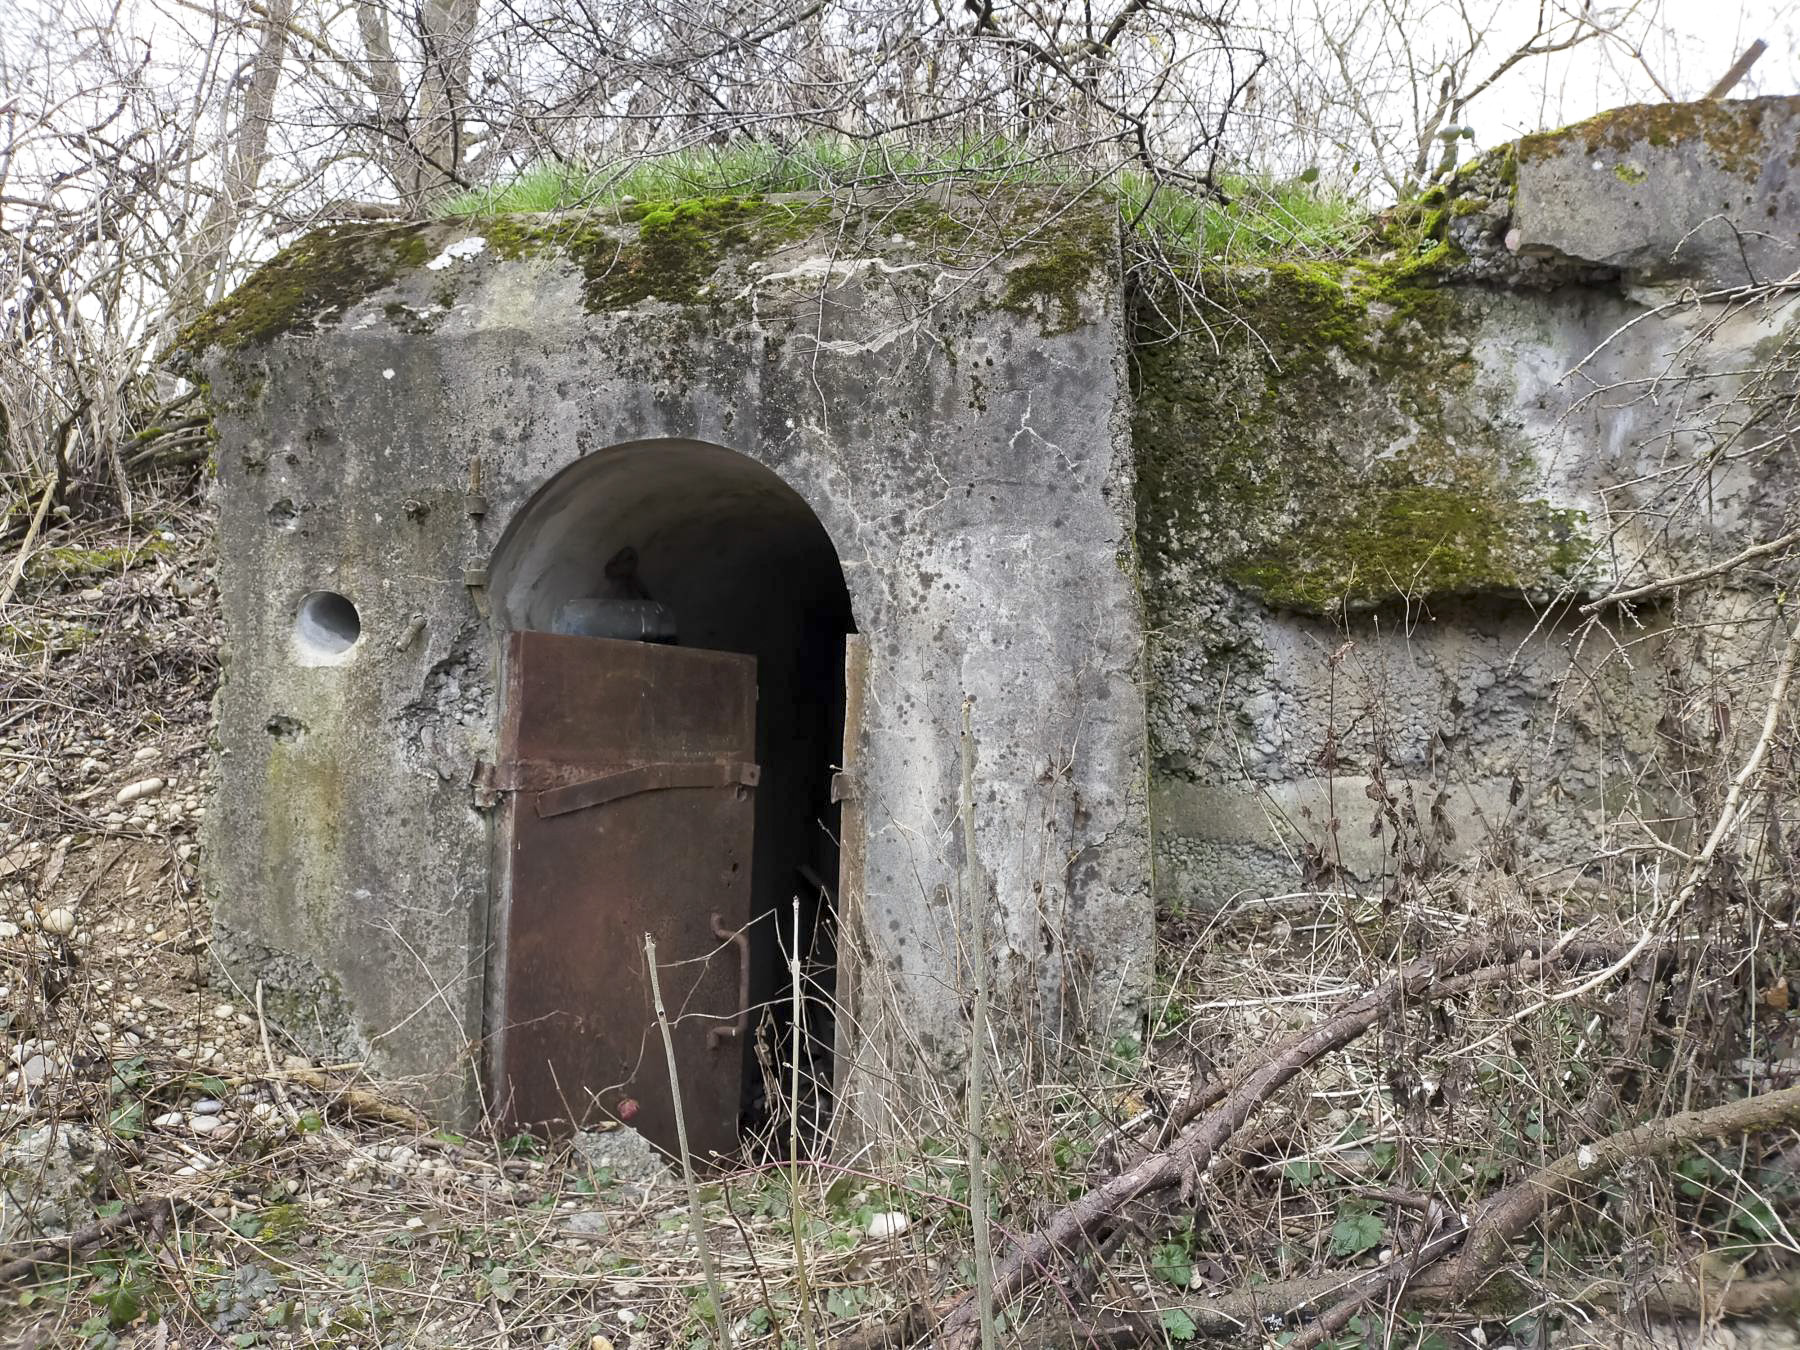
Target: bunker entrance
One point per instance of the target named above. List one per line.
(673, 619)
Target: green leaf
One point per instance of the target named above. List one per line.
(247, 1225)
(500, 1284)
(1302, 1174)
(1173, 1262)
(1354, 1233)
(1178, 1325)
(1757, 1221)
(843, 1302)
(128, 1121)
(311, 1122)
(521, 1145)
(122, 1305)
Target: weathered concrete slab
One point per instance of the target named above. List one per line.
(1702, 192)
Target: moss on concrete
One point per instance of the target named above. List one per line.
(1732, 131)
(1404, 538)
(1048, 285)
(667, 251)
(311, 281)
(1327, 449)
(692, 253)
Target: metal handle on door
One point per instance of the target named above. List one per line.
(734, 1032)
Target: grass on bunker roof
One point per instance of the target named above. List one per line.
(1250, 218)
(313, 1211)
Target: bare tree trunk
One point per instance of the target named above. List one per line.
(203, 274)
(447, 28)
(420, 132)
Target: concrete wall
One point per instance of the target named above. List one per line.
(957, 423)
(1372, 501)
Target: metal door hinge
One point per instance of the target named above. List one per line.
(484, 784)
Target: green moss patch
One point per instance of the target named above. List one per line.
(1732, 131)
(309, 282)
(1403, 538)
(1327, 449)
(668, 251)
(1048, 284)
(81, 564)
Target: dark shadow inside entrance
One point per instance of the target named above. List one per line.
(695, 544)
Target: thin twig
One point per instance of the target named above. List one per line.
(802, 1298)
(975, 898)
(276, 1086)
(1750, 554)
(31, 533)
(714, 1290)
(1730, 817)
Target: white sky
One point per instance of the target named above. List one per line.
(1706, 37)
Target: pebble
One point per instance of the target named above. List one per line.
(203, 1124)
(59, 921)
(146, 753)
(224, 1012)
(889, 1224)
(8, 930)
(206, 1106)
(168, 1120)
(144, 787)
(35, 1070)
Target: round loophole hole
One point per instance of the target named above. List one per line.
(328, 624)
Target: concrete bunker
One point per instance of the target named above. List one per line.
(857, 481)
(686, 545)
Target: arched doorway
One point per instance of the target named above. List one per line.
(614, 591)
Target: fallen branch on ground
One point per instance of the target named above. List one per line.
(1086, 1221)
(356, 1102)
(1485, 1243)
(1250, 1312)
(156, 1212)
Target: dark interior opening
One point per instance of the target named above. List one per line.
(696, 544)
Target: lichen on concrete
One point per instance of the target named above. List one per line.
(1692, 192)
(1049, 284)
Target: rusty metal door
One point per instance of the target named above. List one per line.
(629, 775)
